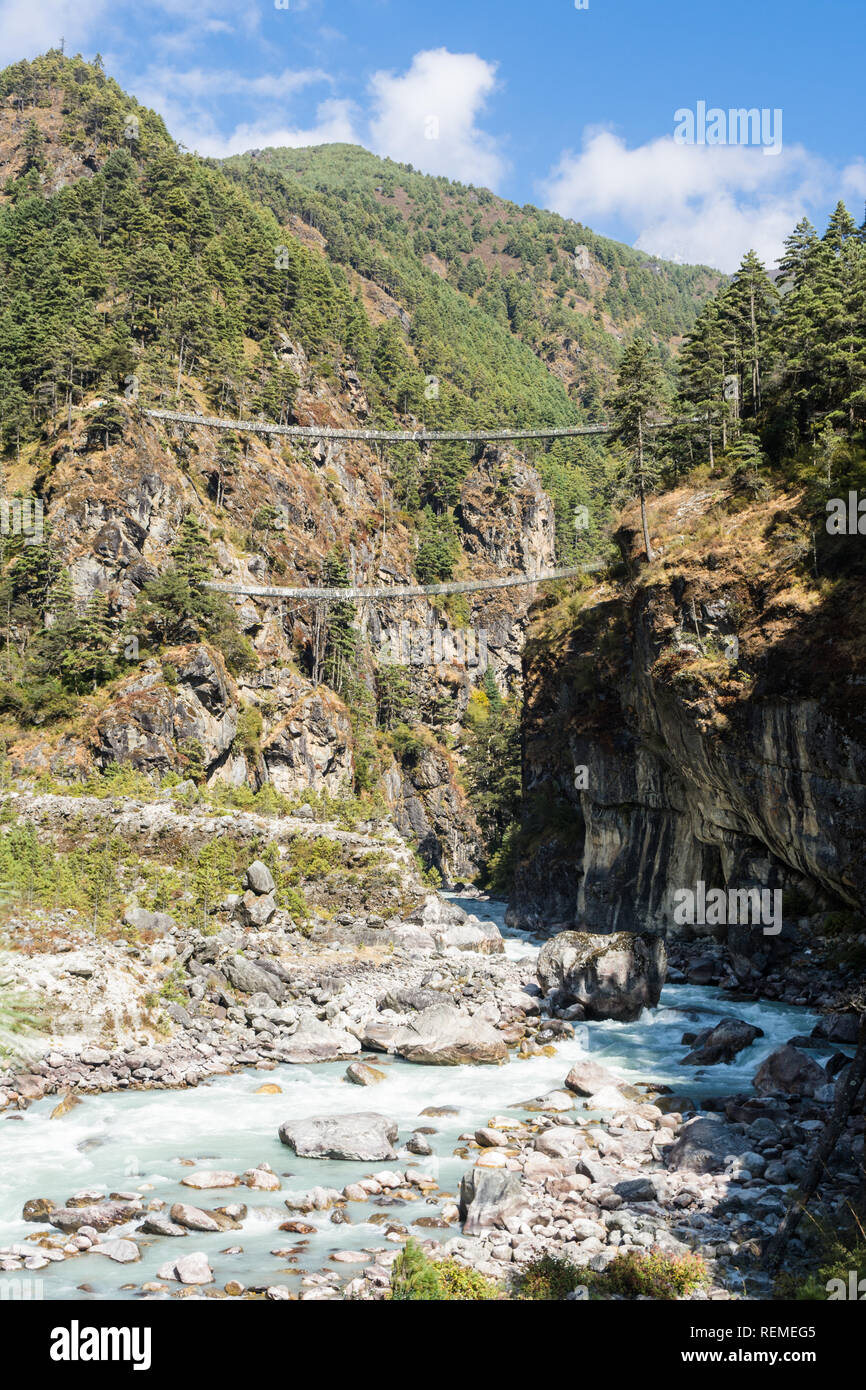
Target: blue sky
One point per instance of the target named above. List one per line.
(570, 108)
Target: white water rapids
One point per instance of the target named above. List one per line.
(127, 1141)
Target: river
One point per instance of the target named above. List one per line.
(135, 1141)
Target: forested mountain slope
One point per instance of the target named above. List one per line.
(133, 273)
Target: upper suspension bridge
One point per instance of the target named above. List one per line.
(424, 436)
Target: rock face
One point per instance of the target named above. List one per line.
(443, 1036)
(312, 747)
(429, 808)
(693, 766)
(788, 1071)
(364, 1136)
(155, 726)
(611, 976)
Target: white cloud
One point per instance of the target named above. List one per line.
(334, 124)
(27, 28)
(207, 83)
(427, 116)
(703, 203)
(190, 103)
(854, 179)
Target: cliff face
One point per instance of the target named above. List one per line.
(700, 722)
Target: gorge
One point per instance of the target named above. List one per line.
(436, 845)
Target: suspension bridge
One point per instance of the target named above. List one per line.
(424, 436)
(354, 593)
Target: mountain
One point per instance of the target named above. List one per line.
(320, 286)
(571, 296)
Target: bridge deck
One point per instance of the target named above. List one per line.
(356, 592)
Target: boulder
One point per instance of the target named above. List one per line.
(255, 911)
(838, 1028)
(445, 1036)
(722, 1043)
(259, 878)
(314, 1041)
(250, 978)
(552, 1101)
(142, 920)
(360, 1074)
(406, 999)
(704, 1144)
(261, 1179)
(788, 1071)
(644, 1189)
(157, 1225)
(364, 1136)
(193, 1218)
(419, 1145)
(208, 1177)
(436, 911)
(38, 1209)
(123, 1252)
(187, 1269)
(613, 976)
(471, 935)
(587, 1077)
(490, 1197)
(101, 1216)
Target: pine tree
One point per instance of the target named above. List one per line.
(750, 303)
(636, 402)
(341, 638)
(192, 552)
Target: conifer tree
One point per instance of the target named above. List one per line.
(635, 404)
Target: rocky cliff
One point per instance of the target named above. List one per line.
(698, 720)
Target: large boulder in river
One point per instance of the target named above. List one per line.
(788, 1071)
(447, 1037)
(613, 976)
(722, 1043)
(365, 1136)
(587, 1078)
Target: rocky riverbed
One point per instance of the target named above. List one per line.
(323, 1097)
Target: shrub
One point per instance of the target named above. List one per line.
(416, 1277)
(652, 1274)
(413, 1276)
(549, 1278)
